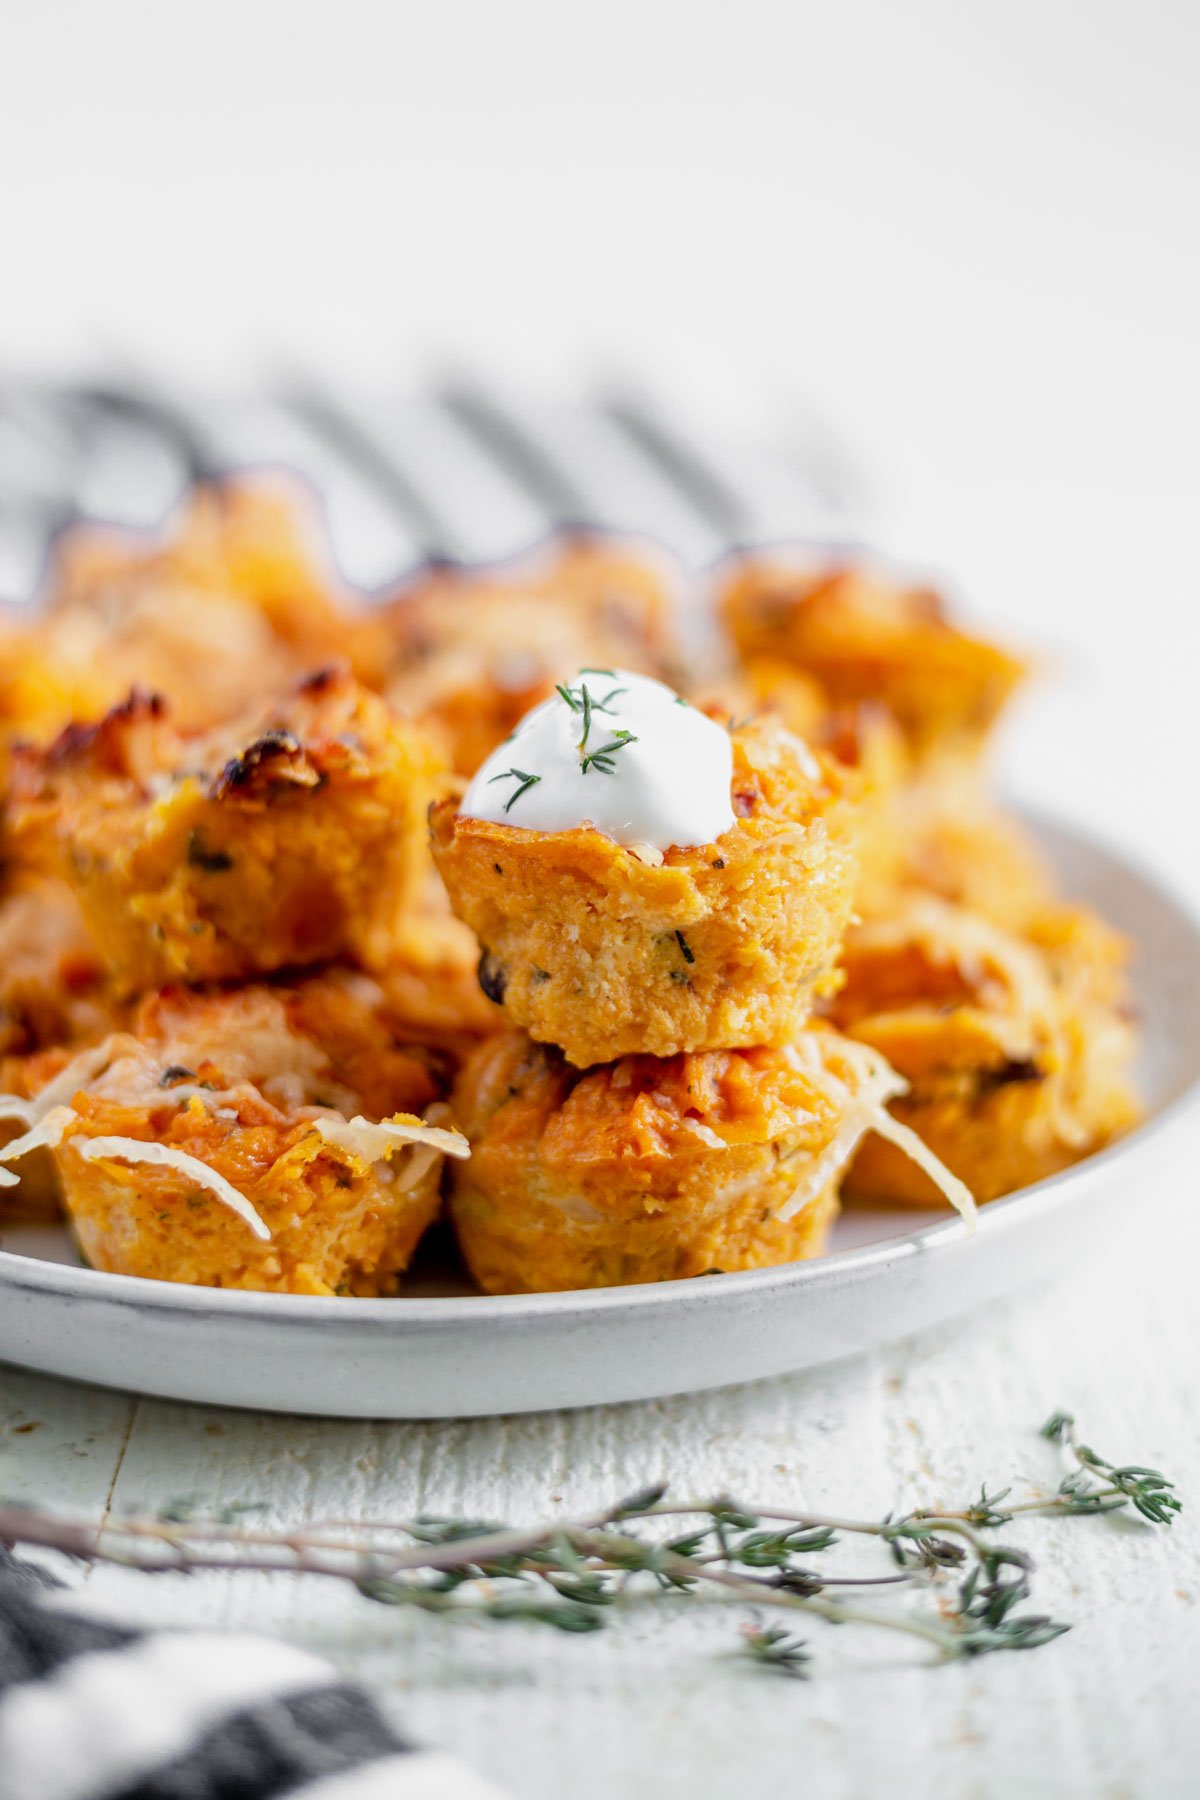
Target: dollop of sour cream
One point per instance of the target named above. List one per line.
(617, 751)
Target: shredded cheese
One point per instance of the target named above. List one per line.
(975, 947)
(705, 1133)
(134, 1150)
(866, 1106)
(46, 1134)
(371, 1142)
(65, 1085)
(917, 1150)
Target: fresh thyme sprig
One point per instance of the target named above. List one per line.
(521, 776)
(576, 1575)
(582, 700)
(602, 758)
(774, 1648)
(1098, 1485)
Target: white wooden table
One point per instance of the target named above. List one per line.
(658, 1707)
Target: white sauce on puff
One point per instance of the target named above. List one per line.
(620, 752)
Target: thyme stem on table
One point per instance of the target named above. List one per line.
(573, 1575)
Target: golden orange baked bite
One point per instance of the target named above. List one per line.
(53, 999)
(952, 839)
(472, 652)
(862, 734)
(52, 987)
(39, 694)
(30, 1190)
(651, 1169)
(1088, 963)
(642, 879)
(1017, 1051)
(257, 1137)
(863, 635)
(285, 839)
(429, 987)
(234, 599)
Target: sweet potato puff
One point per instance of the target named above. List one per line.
(37, 1197)
(470, 654)
(322, 1042)
(338, 1224)
(864, 636)
(954, 841)
(234, 598)
(53, 999)
(51, 979)
(292, 839)
(592, 947)
(1018, 1056)
(254, 544)
(254, 1084)
(645, 1170)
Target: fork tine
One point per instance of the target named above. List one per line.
(715, 503)
(516, 449)
(162, 414)
(341, 424)
(39, 485)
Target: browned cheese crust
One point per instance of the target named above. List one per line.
(293, 837)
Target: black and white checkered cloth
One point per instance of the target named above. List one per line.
(92, 1710)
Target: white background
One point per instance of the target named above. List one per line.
(971, 231)
(983, 214)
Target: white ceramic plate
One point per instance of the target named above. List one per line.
(432, 1354)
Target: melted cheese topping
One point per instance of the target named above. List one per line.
(619, 752)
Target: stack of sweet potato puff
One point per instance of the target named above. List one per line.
(269, 1001)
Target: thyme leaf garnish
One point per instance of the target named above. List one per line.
(602, 758)
(578, 1575)
(520, 775)
(582, 700)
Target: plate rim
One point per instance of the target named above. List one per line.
(482, 1312)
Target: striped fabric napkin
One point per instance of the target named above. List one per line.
(92, 1710)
